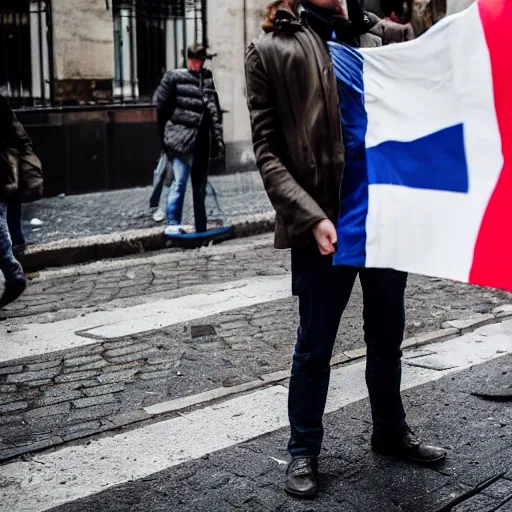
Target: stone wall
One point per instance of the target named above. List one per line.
(226, 38)
(83, 49)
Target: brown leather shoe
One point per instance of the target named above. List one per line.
(407, 446)
(301, 477)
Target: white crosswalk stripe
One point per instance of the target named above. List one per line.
(38, 339)
(39, 485)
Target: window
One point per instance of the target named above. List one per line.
(24, 51)
(150, 36)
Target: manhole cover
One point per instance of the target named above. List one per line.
(198, 331)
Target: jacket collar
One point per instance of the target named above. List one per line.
(285, 20)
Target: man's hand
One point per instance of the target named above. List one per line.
(326, 236)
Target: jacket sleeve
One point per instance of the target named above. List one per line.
(165, 101)
(30, 168)
(215, 113)
(298, 209)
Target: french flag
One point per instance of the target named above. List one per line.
(427, 186)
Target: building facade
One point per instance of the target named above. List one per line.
(81, 75)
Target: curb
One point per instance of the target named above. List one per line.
(212, 396)
(93, 248)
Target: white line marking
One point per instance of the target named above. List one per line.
(37, 339)
(75, 472)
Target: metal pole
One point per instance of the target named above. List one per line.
(245, 25)
(51, 59)
(204, 13)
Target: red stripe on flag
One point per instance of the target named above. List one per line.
(492, 262)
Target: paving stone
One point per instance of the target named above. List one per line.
(13, 407)
(6, 420)
(270, 321)
(81, 427)
(505, 310)
(123, 351)
(114, 345)
(135, 365)
(104, 390)
(7, 399)
(49, 373)
(94, 400)
(53, 398)
(500, 490)
(20, 450)
(8, 388)
(470, 324)
(169, 365)
(110, 378)
(97, 365)
(94, 412)
(44, 365)
(127, 418)
(38, 383)
(58, 389)
(478, 503)
(356, 353)
(51, 410)
(431, 337)
(7, 370)
(234, 325)
(129, 358)
(82, 360)
(156, 375)
(69, 377)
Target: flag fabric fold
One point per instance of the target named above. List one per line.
(427, 186)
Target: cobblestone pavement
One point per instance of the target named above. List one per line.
(68, 394)
(111, 212)
(477, 476)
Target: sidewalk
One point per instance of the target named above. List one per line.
(75, 228)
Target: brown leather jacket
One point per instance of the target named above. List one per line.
(296, 126)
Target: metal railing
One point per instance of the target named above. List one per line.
(26, 52)
(151, 36)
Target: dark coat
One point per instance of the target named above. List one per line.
(187, 102)
(296, 126)
(21, 175)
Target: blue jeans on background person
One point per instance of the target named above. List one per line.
(324, 291)
(198, 170)
(9, 265)
(14, 223)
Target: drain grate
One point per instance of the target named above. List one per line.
(199, 331)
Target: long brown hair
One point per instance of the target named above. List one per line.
(268, 22)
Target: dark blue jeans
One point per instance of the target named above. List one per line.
(324, 291)
(9, 265)
(14, 223)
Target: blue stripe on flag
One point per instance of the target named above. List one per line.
(422, 163)
(348, 66)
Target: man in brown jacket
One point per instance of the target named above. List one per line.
(297, 136)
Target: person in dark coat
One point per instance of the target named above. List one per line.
(301, 149)
(20, 181)
(190, 123)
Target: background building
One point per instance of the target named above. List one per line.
(82, 75)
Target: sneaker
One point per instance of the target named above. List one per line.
(159, 215)
(173, 230)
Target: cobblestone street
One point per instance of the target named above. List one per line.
(68, 373)
(78, 216)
